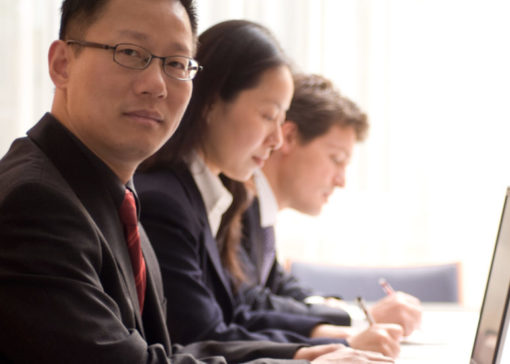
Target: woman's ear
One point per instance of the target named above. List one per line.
(58, 63)
(210, 111)
(290, 136)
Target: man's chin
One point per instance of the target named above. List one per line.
(312, 210)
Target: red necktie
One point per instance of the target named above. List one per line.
(129, 219)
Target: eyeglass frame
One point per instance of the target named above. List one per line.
(195, 66)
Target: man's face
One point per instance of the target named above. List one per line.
(124, 115)
(310, 172)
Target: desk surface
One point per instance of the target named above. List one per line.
(446, 336)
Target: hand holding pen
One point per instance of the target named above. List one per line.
(397, 307)
(364, 308)
(384, 338)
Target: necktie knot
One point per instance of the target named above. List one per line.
(129, 218)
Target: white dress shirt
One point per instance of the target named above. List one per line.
(217, 198)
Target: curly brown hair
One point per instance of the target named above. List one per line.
(317, 105)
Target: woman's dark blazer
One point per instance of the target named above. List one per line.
(174, 216)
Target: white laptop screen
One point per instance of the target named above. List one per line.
(494, 308)
(503, 353)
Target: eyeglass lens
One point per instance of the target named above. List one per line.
(132, 56)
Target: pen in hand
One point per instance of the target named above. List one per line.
(363, 307)
(388, 289)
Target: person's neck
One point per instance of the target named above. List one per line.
(271, 175)
(125, 173)
(122, 169)
(208, 163)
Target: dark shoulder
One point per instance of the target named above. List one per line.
(171, 195)
(176, 183)
(166, 181)
(26, 165)
(40, 210)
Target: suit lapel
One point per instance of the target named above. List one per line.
(212, 250)
(78, 171)
(261, 244)
(209, 241)
(119, 247)
(155, 308)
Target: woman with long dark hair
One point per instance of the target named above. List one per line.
(192, 217)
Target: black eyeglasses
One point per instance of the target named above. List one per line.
(135, 57)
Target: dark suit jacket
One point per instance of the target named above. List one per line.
(175, 217)
(67, 293)
(279, 290)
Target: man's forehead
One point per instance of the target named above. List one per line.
(339, 137)
(137, 36)
(143, 21)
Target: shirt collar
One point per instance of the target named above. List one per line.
(217, 198)
(267, 200)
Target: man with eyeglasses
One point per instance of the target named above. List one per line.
(136, 57)
(79, 282)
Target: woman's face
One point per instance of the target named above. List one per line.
(242, 133)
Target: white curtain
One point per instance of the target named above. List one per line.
(433, 75)
(27, 29)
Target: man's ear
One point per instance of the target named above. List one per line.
(58, 63)
(290, 136)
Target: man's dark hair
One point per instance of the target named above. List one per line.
(317, 105)
(78, 15)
